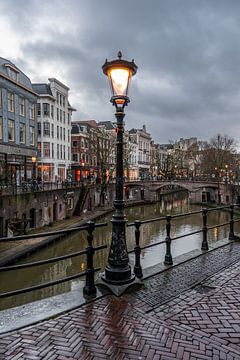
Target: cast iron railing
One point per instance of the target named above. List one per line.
(168, 239)
(89, 288)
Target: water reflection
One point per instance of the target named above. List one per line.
(150, 233)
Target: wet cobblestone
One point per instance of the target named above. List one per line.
(192, 326)
(163, 287)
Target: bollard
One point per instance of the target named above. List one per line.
(168, 256)
(231, 223)
(204, 230)
(90, 288)
(137, 250)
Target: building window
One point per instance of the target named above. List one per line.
(46, 129)
(74, 157)
(39, 149)
(64, 155)
(22, 133)
(64, 117)
(32, 136)
(21, 106)
(57, 132)
(0, 98)
(38, 109)
(1, 128)
(46, 109)
(64, 134)
(10, 101)
(52, 130)
(46, 149)
(61, 149)
(63, 101)
(52, 111)
(69, 119)
(39, 129)
(52, 150)
(13, 74)
(60, 133)
(68, 153)
(68, 135)
(74, 143)
(57, 151)
(32, 111)
(11, 130)
(57, 114)
(60, 115)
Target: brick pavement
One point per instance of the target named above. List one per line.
(201, 323)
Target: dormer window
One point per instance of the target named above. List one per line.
(13, 73)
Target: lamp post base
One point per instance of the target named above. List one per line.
(118, 288)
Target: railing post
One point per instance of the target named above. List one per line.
(231, 231)
(90, 287)
(168, 256)
(137, 268)
(204, 230)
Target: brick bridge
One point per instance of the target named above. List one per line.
(200, 191)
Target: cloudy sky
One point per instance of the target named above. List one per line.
(187, 52)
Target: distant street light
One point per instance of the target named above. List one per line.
(118, 271)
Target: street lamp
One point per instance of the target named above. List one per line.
(118, 272)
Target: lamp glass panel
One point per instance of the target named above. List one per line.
(119, 78)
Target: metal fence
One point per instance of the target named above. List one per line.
(168, 239)
(89, 288)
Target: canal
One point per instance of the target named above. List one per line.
(150, 233)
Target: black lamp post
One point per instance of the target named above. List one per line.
(118, 271)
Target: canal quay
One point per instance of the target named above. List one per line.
(188, 310)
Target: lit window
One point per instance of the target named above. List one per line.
(22, 133)
(11, 130)
(39, 149)
(10, 101)
(21, 106)
(46, 149)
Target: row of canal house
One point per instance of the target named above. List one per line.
(38, 138)
(35, 127)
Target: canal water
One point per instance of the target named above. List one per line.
(150, 233)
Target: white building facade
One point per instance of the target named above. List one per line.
(54, 131)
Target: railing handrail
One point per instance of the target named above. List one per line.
(89, 287)
(50, 233)
(168, 240)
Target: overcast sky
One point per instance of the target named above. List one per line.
(187, 52)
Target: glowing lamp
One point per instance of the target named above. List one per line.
(119, 73)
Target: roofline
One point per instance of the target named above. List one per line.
(18, 84)
(47, 95)
(58, 82)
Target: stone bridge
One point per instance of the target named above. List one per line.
(199, 191)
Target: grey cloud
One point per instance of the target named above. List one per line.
(187, 52)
